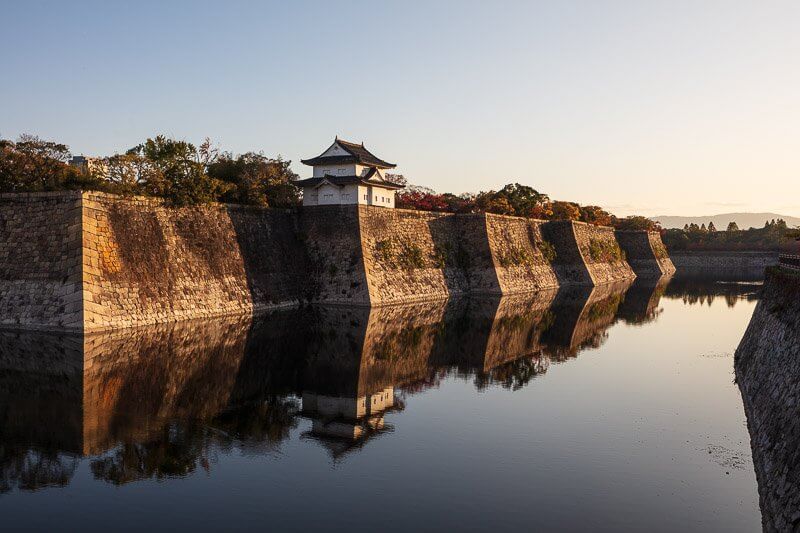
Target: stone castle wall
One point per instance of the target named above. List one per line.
(40, 261)
(145, 263)
(601, 253)
(645, 253)
(519, 253)
(724, 265)
(416, 255)
(586, 254)
(96, 261)
(331, 237)
(767, 364)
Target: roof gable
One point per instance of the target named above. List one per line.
(334, 150)
(346, 152)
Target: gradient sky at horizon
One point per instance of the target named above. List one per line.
(684, 108)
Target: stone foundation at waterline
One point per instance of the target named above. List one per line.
(89, 261)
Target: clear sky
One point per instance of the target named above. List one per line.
(666, 107)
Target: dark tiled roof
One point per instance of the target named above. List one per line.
(357, 154)
(341, 181)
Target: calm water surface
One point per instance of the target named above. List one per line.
(612, 409)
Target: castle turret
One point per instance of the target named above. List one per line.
(348, 173)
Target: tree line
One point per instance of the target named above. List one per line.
(186, 174)
(517, 200)
(776, 235)
(178, 171)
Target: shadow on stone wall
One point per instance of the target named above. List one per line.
(276, 262)
(462, 250)
(767, 364)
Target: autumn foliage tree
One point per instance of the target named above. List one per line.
(566, 211)
(32, 164)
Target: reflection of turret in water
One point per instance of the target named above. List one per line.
(356, 357)
(360, 357)
(641, 303)
(582, 316)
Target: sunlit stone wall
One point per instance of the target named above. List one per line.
(96, 261)
(586, 254)
(417, 255)
(145, 263)
(519, 253)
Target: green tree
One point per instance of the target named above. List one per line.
(523, 199)
(732, 226)
(253, 178)
(180, 170)
(711, 227)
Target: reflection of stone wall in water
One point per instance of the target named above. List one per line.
(767, 365)
(640, 305)
(582, 317)
(40, 410)
(125, 385)
(153, 392)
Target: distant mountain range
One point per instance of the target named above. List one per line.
(743, 220)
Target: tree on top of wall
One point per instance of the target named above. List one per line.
(253, 178)
(32, 164)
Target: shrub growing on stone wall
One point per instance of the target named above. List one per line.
(400, 254)
(548, 250)
(660, 250)
(515, 256)
(446, 256)
(32, 164)
(385, 250)
(178, 171)
(605, 251)
(411, 256)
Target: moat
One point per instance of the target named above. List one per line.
(612, 408)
